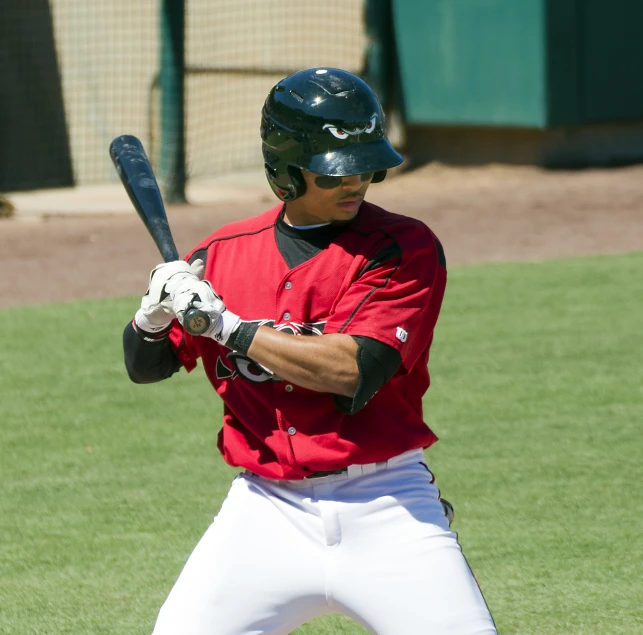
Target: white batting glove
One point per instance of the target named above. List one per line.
(187, 294)
(156, 312)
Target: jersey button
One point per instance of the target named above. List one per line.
(288, 388)
(292, 430)
(288, 285)
(286, 316)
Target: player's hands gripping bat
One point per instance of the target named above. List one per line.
(157, 305)
(136, 174)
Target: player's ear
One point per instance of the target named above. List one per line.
(379, 176)
(298, 181)
(287, 185)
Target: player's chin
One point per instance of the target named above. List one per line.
(343, 219)
(347, 209)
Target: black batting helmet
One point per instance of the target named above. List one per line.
(327, 121)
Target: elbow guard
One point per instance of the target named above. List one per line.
(376, 363)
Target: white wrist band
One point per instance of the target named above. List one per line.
(144, 324)
(228, 322)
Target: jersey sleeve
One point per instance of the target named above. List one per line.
(396, 296)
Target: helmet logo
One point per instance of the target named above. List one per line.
(341, 133)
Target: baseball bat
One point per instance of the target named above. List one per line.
(136, 175)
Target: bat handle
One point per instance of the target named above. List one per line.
(196, 322)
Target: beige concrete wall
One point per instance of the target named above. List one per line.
(108, 55)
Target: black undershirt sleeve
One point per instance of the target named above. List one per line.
(148, 362)
(377, 363)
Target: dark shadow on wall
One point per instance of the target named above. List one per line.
(34, 145)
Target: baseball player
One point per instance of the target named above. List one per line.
(322, 315)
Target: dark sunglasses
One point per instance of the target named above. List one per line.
(331, 182)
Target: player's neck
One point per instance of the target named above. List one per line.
(298, 217)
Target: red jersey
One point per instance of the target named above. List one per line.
(382, 277)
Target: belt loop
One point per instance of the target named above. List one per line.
(369, 468)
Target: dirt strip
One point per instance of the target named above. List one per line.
(481, 214)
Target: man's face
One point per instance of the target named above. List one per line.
(328, 199)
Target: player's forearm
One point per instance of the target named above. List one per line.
(325, 364)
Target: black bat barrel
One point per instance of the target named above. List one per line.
(136, 174)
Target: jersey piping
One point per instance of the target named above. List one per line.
(398, 253)
(204, 249)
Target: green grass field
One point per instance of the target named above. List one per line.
(537, 396)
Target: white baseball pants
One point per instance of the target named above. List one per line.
(373, 544)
